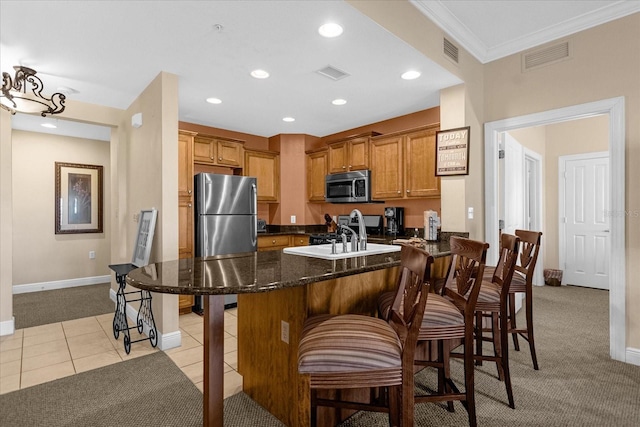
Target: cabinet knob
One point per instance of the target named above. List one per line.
(219, 159)
(189, 205)
(398, 191)
(189, 192)
(211, 157)
(408, 191)
(273, 241)
(344, 167)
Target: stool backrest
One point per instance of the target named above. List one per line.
(529, 248)
(412, 289)
(468, 258)
(502, 274)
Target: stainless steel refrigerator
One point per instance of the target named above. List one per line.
(225, 218)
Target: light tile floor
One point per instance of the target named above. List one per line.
(36, 355)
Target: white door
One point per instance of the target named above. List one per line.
(586, 220)
(514, 176)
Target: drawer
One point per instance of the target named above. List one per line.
(302, 240)
(265, 242)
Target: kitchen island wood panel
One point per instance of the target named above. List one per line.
(268, 365)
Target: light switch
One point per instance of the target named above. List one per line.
(470, 213)
(293, 219)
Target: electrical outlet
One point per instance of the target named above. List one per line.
(293, 219)
(284, 331)
(470, 213)
(92, 254)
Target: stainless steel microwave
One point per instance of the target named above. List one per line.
(348, 187)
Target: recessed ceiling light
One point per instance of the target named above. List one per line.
(214, 100)
(288, 119)
(410, 75)
(49, 125)
(259, 74)
(339, 101)
(330, 29)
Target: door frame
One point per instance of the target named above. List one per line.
(538, 222)
(562, 226)
(614, 108)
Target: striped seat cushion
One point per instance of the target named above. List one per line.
(489, 292)
(347, 343)
(440, 311)
(385, 301)
(518, 281)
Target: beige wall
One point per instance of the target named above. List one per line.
(58, 256)
(552, 141)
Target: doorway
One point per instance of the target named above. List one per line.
(614, 108)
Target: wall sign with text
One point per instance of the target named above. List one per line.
(452, 152)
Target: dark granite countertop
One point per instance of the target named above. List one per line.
(257, 271)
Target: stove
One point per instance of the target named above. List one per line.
(323, 238)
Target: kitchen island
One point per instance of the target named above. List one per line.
(276, 293)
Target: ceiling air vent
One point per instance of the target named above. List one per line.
(450, 50)
(546, 56)
(332, 72)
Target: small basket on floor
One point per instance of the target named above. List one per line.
(552, 277)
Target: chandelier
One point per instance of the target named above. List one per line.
(23, 94)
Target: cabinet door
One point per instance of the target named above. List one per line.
(185, 227)
(358, 154)
(204, 150)
(185, 164)
(317, 166)
(265, 166)
(420, 179)
(300, 240)
(338, 157)
(386, 168)
(273, 243)
(229, 153)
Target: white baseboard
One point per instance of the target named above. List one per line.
(165, 341)
(633, 356)
(8, 327)
(60, 284)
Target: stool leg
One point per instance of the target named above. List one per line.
(479, 337)
(529, 314)
(512, 320)
(497, 344)
(504, 357)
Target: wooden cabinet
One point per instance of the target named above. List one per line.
(185, 206)
(265, 166)
(403, 165)
(350, 154)
(273, 243)
(281, 241)
(217, 151)
(317, 169)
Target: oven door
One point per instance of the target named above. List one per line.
(350, 187)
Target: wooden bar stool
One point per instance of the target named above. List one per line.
(449, 320)
(522, 282)
(493, 304)
(355, 351)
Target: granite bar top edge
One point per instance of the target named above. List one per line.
(257, 272)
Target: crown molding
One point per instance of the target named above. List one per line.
(450, 24)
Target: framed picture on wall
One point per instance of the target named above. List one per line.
(78, 198)
(452, 152)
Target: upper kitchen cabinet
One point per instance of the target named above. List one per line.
(217, 151)
(185, 163)
(403, 164)
(317, 169)
(265, 166)
(350, 154)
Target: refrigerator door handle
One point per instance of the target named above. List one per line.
(254, 233)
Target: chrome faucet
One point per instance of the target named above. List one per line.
(354, 238)
(361, 228)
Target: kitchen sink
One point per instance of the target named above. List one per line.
(324, 251)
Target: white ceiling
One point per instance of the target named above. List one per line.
(109, 51)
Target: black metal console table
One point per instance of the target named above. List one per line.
(145, 314)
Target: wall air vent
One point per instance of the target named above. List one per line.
(546, 56)
(450, 50)
(332, 73)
